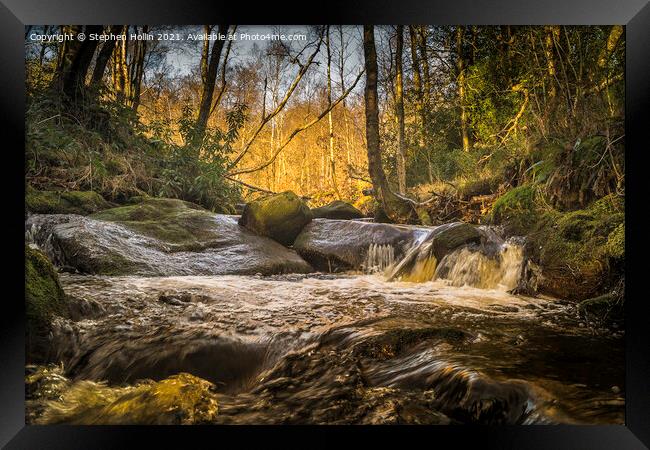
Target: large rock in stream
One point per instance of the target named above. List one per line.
(278, 216)
(159, 237)
(336, 245)
(337, 210)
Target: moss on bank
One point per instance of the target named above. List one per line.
(517, 209)
(578, 251)
(64, 202)
(44, 298)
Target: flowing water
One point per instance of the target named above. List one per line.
(445, 343)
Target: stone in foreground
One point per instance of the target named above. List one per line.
(181, 399)
(44, 298)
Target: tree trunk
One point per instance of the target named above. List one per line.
(417, 77)
(208, 85)
(614, 36)
(399, 107)
(136, 83)
(550, 58)
(461, 87)
(105, 55)
(329, 115)
(77, 62)
(391, 206)
(121, 69)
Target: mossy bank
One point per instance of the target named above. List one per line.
(44, 299)
(580, 253)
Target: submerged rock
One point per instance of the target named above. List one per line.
(333, 245)
(337, 210)
(44, 298)
(61, 202)
(159, 237)
(181, 399)
(279, 216)
(605, 309)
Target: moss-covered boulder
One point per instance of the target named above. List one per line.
(44, 298)
(160, 237)
(279, 216)
(181, 399)
(64, 202)
(337, 209)
(179, 223)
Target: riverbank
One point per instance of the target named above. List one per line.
(385, 324)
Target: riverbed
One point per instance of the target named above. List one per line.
(347, 348)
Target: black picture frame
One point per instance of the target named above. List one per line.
(15, 14)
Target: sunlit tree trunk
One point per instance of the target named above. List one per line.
(344, 109)
(460, 64)
(426, 84)
(121, 68)
(549, 52)
(329, 115)
(399, 110)
(423, 133)
(613, 38)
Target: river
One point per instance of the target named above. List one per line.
(438, 344)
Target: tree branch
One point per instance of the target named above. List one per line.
(276, 111)
(299, 130)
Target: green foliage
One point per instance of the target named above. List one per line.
(196, 170)
(98, 147)
(615, 245)
(517, 208)
(104, 148)
(578, 251)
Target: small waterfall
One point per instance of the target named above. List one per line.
(466, 266)
(379, 258)
(492, 264)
